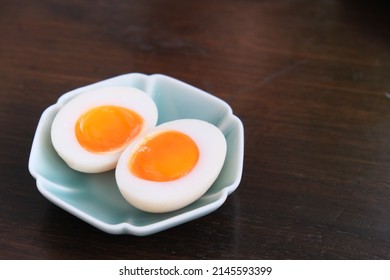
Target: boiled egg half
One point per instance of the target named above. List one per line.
(92, 129)
(171, 166)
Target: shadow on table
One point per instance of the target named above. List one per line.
(370, 17)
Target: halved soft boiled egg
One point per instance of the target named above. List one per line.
(92, 129)
(171, 166)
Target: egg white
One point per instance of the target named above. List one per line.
(63, 127)
(159, 197)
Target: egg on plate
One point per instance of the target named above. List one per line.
(171, 166)
(92, 129)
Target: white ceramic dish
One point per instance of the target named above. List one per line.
(95, 198)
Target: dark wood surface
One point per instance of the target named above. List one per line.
(309, 79)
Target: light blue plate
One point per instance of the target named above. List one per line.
(95, 198)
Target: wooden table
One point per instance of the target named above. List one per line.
(310, 81)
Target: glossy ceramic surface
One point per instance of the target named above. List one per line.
(95, 198)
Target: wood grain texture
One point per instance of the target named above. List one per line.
(309, 79)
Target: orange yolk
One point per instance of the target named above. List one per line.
(107, 128)
(166, 156)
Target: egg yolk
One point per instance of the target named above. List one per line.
(164, 157)
(107, 128)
